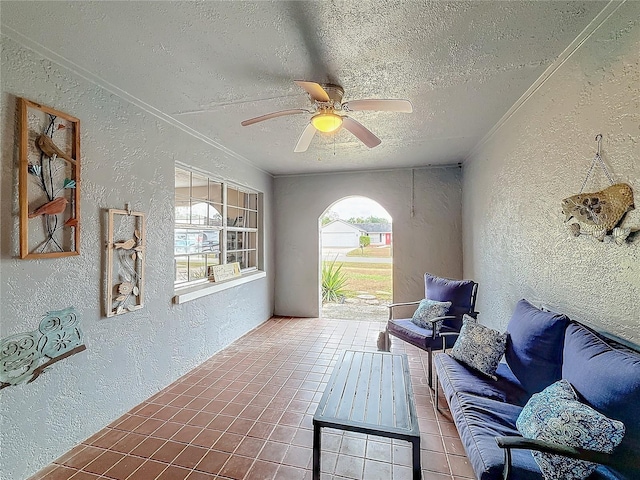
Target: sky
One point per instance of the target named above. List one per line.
(359, 207)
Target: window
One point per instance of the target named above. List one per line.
(215, 223)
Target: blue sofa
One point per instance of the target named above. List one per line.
(543, 347)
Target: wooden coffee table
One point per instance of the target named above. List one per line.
(369, 392)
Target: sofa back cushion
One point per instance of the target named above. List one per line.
(534, 346)
(607, 377)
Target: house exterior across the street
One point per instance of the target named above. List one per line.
(380, 233)
(339, 233)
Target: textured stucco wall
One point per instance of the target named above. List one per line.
(515, 242)
(127, 156)
(430, 241)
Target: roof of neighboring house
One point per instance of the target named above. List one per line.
(347, 224)
(375, 227)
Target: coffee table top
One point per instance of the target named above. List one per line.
(370, 392)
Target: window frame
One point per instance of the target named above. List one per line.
(252, 207)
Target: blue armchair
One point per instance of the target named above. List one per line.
(462, 295)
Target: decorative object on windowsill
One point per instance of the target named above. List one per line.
(225, 272)
(24, 356)
(125, 261)
(599, 214)
(49, 177)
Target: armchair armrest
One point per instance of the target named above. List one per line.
(403, 304)
(508, 443)
(444, 336)
(437, 319)
(417, 302)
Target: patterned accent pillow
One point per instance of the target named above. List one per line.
(428, 310)
(557, 416)
(479, 347)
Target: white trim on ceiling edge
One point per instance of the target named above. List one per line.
(582, 37)
(377, 170)
(50, 55)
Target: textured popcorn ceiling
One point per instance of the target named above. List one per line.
(211, 65)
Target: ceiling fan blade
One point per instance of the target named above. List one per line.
(269, 116)
(308, 19)
(382, 105)
(361, 132)
(305, 139)
(313, 89)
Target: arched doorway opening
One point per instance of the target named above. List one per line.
(356, 261)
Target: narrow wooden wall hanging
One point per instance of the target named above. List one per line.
(49, 182)
(24, 356)
(125, 261)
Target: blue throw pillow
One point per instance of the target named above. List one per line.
(534, 346)
(555, 415)
(479, 347)
(427, 311)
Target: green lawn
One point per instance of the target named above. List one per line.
(372, 278)
(370, 251)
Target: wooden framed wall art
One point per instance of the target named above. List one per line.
(49, 182)
(125, 261)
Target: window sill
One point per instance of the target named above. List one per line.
(187, 294)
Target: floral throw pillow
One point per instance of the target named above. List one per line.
(427, 311)
(479, 347)
(557, 416)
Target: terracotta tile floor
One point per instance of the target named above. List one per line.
(246, 413)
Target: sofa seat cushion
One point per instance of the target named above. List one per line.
(608, 379)
(406, 330)
(534, 346)
(457, 377)
(479, 420)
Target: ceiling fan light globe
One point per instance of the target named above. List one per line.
(326, 122)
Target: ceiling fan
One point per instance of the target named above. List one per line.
(327, 113)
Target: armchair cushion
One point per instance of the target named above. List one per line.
(555, 415)
(461, 294)
(479, 347)
(422, 338)
(427, 311)
(534, 346)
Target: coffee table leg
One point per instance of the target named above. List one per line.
(316, 451)
(417, 470)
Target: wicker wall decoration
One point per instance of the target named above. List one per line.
(49, 182)
(600, 214)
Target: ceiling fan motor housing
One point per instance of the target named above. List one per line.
(335, 93)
